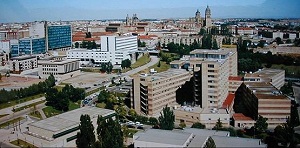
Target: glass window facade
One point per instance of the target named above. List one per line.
(32, 46)
(14, 50)
(59, 36)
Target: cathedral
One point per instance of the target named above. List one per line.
(203, 22)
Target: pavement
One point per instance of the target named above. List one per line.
(154, 60)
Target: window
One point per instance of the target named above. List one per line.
(198, 65)
(211, 66)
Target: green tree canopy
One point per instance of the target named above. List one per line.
(166, 119)
(261, 124)
(198, 125)
(86, 135)
(210, 143)
(76, 45)
(109, 133)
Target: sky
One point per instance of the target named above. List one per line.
(53, 10)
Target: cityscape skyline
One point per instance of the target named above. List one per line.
(24, 11)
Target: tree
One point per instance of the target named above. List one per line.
(198, 125)
(121, 111)
(103, 67)
(202, 31)
(109, 133)
(210, 143)
(158, 65)
(85, 136)
(278, 41)
(215, 44)
(261, 124)
(94, 45)
(182, 125)
(218, 125)
(166, 119)
(288, 41)
(109, 67)
(76, 44)
(103, 96)
(0, 76)
(88, 35)
(153, 121)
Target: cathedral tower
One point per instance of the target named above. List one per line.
(208, 17)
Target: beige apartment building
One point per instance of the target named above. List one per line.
(153, 92)
(212, 69)
(21, 63)
(262, 98)
(274, 76)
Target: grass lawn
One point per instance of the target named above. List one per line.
(36, 114)
(28, 106)
(101, 105)
(140, 62)
(11, 122)
(16, 102)
(163, 67)
(59, 88)
(22, 144)
(289, 70)
(97, 70)
(131, 132)
(92, 91)
(50, 111)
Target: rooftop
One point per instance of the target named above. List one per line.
(163, 136)
(25, 57)
(264, 90)
(69, 119)
(222, 141)
(56, 62)
(264, 73)
(229, 100)
(240, 116)
(166, 74)
(236, 78)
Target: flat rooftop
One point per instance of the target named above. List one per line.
(56, 62)
(264, 73)
(209, 51)
(222, 141)
(25, 57)
(69, 119)
(264, 90)
(163, 136)
(166, 74)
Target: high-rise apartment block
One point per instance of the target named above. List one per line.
(153, 92)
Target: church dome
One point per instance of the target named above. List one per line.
(207, 10)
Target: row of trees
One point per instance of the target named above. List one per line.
(34, 89)
(106, 67)
(86, 44)
(109, 133)
(60, 99)
(226, 40)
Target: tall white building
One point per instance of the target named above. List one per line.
(114, 49)
(37, 30)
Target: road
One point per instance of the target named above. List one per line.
(154, 60)
(20, 113)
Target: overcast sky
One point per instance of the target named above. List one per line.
(36, 10)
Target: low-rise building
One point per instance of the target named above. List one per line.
(153, 92)
(61, 130)
(274, 76)
(206, 116)
(60, 68)
(190, 137)
(262, 98)
(21, 63)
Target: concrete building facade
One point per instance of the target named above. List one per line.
(114, 49)
(153, 92)
(61, 130)
(21, 63)
(60, 68)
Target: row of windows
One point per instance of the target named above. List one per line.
(49, 69)
(48, 73)
(49, 65)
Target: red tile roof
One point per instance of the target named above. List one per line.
(228, 101)
(240, 116)
(237, 78)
